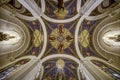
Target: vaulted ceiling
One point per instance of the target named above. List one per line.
(79, 42)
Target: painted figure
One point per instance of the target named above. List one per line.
(60, 5)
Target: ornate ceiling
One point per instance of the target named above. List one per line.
(77, 40)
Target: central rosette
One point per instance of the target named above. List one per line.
(60, 38)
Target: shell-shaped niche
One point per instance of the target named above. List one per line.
(106, 36)
(15, 37)
(112, 38)
(12, 37)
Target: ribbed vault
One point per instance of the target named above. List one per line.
(60, 39)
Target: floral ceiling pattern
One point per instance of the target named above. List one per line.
(63, 37)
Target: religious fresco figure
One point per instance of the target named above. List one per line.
(60, 64)
(60, 5)
(60, 10)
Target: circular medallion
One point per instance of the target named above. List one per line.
(60, 38)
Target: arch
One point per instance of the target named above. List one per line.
(101, 60)
(61, 55)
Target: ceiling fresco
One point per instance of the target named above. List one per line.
(52, 11)
(36, 37)
(62, 39)
(60, 69)
(85, 38)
